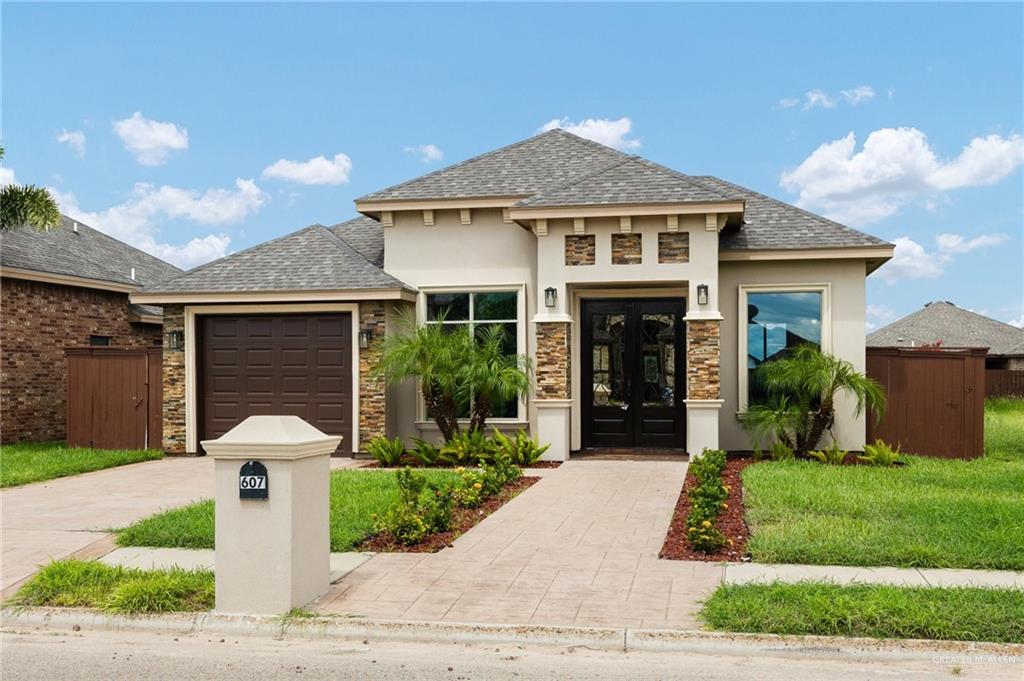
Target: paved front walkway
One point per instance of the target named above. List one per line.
(580, 547)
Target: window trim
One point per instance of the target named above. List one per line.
(521, 347)
(825, 289)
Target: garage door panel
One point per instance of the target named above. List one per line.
(276, 364)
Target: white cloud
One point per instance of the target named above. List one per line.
(894, 167)
(878, 315)
(74, 139)
(427, 152)
(317, 170)
(603, 130)
(818, 98)
(7, 176)
(788, 102)
(954, 243)
(150, 141)
(136, 220)
(859, 94)
(911, 261)
(1018, 322)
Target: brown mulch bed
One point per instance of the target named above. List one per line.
(730, 522)
(412, 463)
(463, 519)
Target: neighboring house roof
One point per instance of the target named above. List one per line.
(952, 326)
(84, 254)
(550, 159)
(772, 224)
(629, 180)
(311, 259)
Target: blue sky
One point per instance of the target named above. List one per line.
(189, 130)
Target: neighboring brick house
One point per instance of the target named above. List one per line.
(63, 288)
(644, 297)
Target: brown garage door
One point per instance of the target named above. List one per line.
(277, 364)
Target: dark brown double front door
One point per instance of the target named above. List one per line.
(632, 373)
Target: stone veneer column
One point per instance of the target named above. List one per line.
(372, 388)
(174, 383)
(554, 388)
(703, 396)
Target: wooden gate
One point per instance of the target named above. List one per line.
(936, 400)
(115, 397)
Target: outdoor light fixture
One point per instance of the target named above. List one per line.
(365, 336)
(175, 339)
(702, 294)
(550, 296)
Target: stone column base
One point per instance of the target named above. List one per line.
(553, 428)
(701, 425)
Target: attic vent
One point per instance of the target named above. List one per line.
(133, 274)
(74, 227)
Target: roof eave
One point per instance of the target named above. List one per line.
(623, 209)
(404, 292)
(374, 207)
(67, 280)
(875, 256)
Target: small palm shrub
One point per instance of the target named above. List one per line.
(387, 452)
(832, 456)
(426, 453)
(707, 499)
(780, 451)
(522, 450)
(467, 449)
(881, 454)
(422, 509)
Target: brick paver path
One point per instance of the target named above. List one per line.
(580, 547)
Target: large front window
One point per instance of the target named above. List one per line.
(478, 310)
(776, 322)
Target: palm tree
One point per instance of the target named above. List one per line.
(803, 388)
(22, 205)
(492, 376)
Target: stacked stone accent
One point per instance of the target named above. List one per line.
(673, 247)
(174, 383)
(372, 388)
(580, 249)
(553, 361)
(703, 354)
(626, 249)
(39, 321)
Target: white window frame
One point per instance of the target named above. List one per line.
(742, 397)
(422, 420)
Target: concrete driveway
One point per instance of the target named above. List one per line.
(580, 547)
(56, 518)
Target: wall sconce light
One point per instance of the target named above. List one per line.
(702, 294)
(550, 296)
(365, 336)
(175, 340)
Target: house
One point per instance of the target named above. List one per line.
(64, 288)
(639, 293)
(944, 323)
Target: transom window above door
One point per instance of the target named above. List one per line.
(479, 310)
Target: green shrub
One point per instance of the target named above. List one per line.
(387, 452)
(522, 450)
(426, 453)
(468, 490)
(705, 537)
(780, 451)
(833, 456)
(707, 499)
(422, 509)
(467, 449)
(881, 454)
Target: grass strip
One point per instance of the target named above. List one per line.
(873, 611)
(91, 584)
(28, 462)
(356, 495)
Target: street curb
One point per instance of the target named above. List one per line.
(610, 639)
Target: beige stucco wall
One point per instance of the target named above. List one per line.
(846, 293)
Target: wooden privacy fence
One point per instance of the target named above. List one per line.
(115, 397)
(1004, 383)
(936, 400)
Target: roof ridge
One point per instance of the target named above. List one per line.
(513, 145)
(788, 205)
(355, 250)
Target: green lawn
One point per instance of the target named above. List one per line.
(91, 584)
(36, 461)
(962, 614)
(929, 513)
(355, 496)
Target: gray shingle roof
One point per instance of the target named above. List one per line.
(773, 224)
(364, 234)
(89, 254)
(954, 326)
(547, 160)
(311, 259)
(629, 180)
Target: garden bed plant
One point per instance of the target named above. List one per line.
(466, 448)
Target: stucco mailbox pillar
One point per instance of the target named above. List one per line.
(272, 520)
